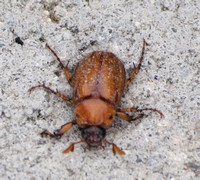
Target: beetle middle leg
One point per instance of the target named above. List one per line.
(136, 68)
(64, 68)
(52, 91)
(134, 109)
(124, 116)
(59, 132)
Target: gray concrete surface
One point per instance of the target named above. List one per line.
(156, 149)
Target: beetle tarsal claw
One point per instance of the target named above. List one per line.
(117, 150)
(46, 133)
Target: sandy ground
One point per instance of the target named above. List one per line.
(169, 80)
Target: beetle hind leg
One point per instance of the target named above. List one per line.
(136, 68)
(64, 68)
(59, 132)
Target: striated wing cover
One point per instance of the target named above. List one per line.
(99, 74)
(84, 79)
(112, 78)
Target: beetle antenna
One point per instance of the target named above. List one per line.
(71, 147)
(114, 148)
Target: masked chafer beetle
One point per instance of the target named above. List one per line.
(98, 83)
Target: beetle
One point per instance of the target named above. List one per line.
(98, 83)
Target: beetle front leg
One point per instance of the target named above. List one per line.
(59, 132)
(136, 68)
(64, 68)
(133, 109)
(52, 91)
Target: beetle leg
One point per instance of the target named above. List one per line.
(126, 117)
(133, 109)
(136, 68)
(52, 91)
(123, 115)
(114, 148)
(71, 147)
(64, 68)
(59, 132)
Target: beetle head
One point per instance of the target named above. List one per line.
(93, 135)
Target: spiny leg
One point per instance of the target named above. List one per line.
(52, 91)
(59, 132)
(126, 117)
(136, 68)
(64, 68)
(71, 147)
(133, 109)
(114, 148)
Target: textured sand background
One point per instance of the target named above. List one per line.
(169, 80)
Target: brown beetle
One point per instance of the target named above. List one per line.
(98, 82)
